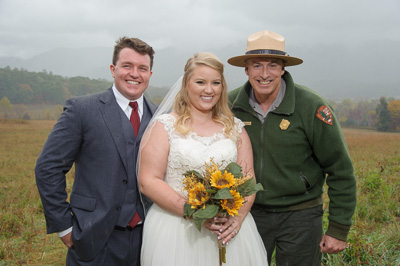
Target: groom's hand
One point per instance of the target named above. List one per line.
(67, 240)
(331, 245)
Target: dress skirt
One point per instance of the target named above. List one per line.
(173, 241)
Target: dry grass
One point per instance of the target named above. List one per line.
(23, 238)
(373, 240)
(375, 235)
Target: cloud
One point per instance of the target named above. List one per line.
(339, 40)
(29, 27)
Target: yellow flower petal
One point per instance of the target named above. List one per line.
(198, 195)
(220, 181)
(232, 206)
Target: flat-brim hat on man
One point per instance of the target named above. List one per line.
(265, 44)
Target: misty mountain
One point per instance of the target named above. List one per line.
(335, 71)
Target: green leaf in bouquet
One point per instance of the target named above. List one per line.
(201, 215)
(199, 223)
(234, 169)
(259, 187)
(249, 188)
(195, 173)
(188, 211)
(211, 191)
(223, 194)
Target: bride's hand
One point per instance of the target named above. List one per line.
(215, 224)
(230, 229)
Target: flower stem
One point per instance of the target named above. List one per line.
(222, 252)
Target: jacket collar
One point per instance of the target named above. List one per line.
(288, 103)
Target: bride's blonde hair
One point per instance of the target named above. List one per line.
(220, 112)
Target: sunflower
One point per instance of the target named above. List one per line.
(220, 181)
(198, 196)
(232, 206)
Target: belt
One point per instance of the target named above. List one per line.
(128, 228)
(297, 207)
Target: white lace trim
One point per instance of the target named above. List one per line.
(168, 120)
(191, 152)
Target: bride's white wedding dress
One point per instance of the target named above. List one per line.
(171, 240)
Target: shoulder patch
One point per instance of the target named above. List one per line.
(325, 115)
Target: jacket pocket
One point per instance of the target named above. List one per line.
(82, 202)
(305, 180)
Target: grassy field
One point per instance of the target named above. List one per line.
(373, 240)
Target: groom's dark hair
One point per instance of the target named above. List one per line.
(133, 43)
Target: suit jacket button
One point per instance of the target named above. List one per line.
(125, 181)
(118, 208)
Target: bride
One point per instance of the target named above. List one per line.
(201, 126)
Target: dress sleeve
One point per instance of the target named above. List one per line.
(168, 121)
(238, 125)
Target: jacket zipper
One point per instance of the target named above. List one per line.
(258, 179)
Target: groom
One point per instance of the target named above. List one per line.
(102, 222)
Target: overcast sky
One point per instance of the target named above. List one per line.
(32, 27)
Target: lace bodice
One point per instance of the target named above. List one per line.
(191, 152)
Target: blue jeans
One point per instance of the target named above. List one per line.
(295, 234)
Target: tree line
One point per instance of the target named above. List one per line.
(381, 114)
(19, 88)
(23, 87)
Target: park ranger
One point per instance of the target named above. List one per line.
(297, 144)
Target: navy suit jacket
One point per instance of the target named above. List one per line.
(89, 134)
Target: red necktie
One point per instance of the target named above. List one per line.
(135, 120)
(135, 220)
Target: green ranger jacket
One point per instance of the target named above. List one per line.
(296, 149)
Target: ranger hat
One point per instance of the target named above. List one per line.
(265, 44)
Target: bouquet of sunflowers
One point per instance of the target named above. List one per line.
(216, 192)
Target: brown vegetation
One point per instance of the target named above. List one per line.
(373, 239)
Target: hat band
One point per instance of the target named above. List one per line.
(266, 51)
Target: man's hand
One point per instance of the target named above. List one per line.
(67, 240)
(331, 245)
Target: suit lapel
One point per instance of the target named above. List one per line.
(111, 115)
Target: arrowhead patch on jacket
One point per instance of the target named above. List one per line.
(325, 115)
